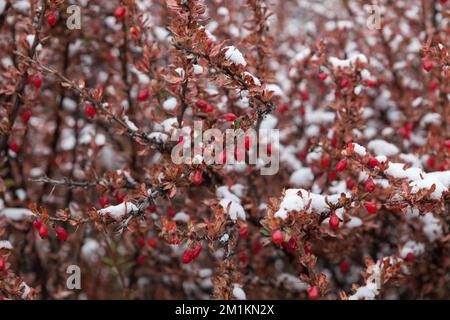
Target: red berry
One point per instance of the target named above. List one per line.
(371, 207)
(209, 108)
(197, 179)
(152, 209)
(230, 117)
(322, 76)
(201, 104)
(334, 221)
(325, 161)
(119, 13)
(152, 243)
(370, 185)
(43, 231)
(104, 201)
(332, 175)
(370, 83)
(277, 237)
(61, 233)
(197, 250)
(433, 85)
(243, 257)
(90, 110)
(171, 212)
(143, 95)
(344, 266)
(51, 19)
(344, 82)
(304, 95)
(26, 116)
(140, 241)
(13, 146)
(313, 293)
(427, 64)
(256, 246)
(269, 149)
(373, 162)
(307, 248)
(2, 265)
(341, 165)
(283, 108)
(37, 224)
(187, 256)
(247, 142)
(140, 259)
(443, 1)
(410, 256)
(431, 162)
(447, 144)
(37, 82)
(350, 183)
(243, 232)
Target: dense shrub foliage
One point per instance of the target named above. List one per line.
(359, 91)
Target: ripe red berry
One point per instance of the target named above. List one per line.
(325, 161)
(344, 82)
(431, 162)
(344, 266)
(427, 64)
(61, 233)
(322, 76)
(197, 250)
(277, 237)
(350, 183)
(369, 185)
(341, 165)
(443, 1)
(334, 221)
(410, 256)
(51, 19)
(433, 85)
(373, 162)
(171, 212)
(269, 149)
(201, 104)
(243, 232)
(187, 256)
(140, 241)
(447, 144)
(90, 110)
(37, 82)
(247, 142)
(313, 293)
(307, 248)
(243, 257)
(2, 265)
(152, 209)
(230, 117)
(26, 116)
(37, 224)
(370, 83)
(283, 108)
(119, 13)
(197, 178)
(140, 259)
(143, 95)
(256, 246)
(152, 243)
(104, 201)
(304, 95)
(43, 231)
(209, 108)
(371, 207)
(332, 175)
(13, 146)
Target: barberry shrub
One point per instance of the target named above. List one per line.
(359, 208)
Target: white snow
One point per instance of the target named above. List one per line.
(16, 213)
(381, 147)
(118, 210)
(350, 62)
(233, 55)
(170, 104)
(238, 293)
(5, 244)
(412, 247)
(232, 200)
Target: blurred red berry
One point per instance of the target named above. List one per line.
(120, 12)
(313, 293)
(51, 19)
(61, 233)
(334, 221)
(43, 231)
(341, 165)
(277, 237)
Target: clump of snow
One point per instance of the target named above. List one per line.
(233, 55)
(231, 203)
(198, 69)
(16, 214)
(170, 104)
(238, 293)
(300, 199)
(412, 247)
(360, 150)
(303, 177)
(292, 281)
(118, 210)
(432, 226)
(26, 290)
(5, 244)
(350, 62)
(181, 217)
(91, 250)
(131, 126)
(381, 147)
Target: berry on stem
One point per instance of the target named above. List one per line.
(371, 207)
(369, 185)
(37, 82)
(427, 64)
(26, 116)
(230, 117)
(341, 165)
(14, 146)
(119, 13)
(43, 231)
(51, 19)
(313, 293)
(90, 110)
(61, 233)
(334, 221)
(344, 266)
(277, 237)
